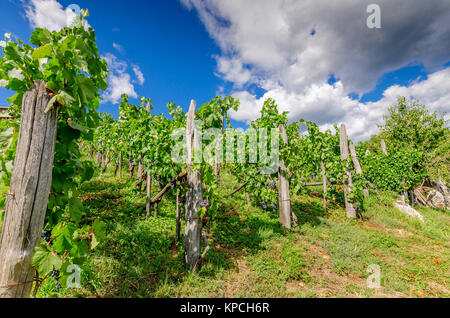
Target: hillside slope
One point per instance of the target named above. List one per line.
(251, 255)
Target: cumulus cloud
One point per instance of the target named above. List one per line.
(232, 70)
(290, 49)
(119, 80)
(48, 14)
(139, 75)
(328, 104)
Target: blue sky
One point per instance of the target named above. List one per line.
(167, 42)
(175, 51)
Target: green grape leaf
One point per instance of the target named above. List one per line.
(42, 52)
(44, 260)
(40, 37)
(99, 229)
(75, 209)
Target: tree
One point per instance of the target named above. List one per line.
(412, 125)
(439, 165)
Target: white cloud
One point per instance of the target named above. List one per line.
(139, 75)
(233, 71)
(48, 14)
(119, 80)
(118, 47)
(270, 43)
(328, 104)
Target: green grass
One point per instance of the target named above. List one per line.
(251, 255)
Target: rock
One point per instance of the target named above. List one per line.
(442, 187)
(405, 208)
(437, 199)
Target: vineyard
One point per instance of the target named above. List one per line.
(186, 206)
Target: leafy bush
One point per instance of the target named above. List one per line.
(403, 169)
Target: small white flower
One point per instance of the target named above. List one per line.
(142, 99)
(16, 73)
(8, 35)
(3, 83)
(2, 44)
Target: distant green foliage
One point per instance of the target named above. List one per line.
(412, 125)
(439, 165)
(410, 129)
(403, 169)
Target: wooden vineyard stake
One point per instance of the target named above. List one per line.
(27, 200)
(149, 178)
(141, 175)
(131, 167)
(284, 196)
(383, 147)
(348, 182)
(218, 158)
(120, 166)
(324, 181)
(194, 195)
(149, 195)
(357, 166)
(107, 161)
(247, 197)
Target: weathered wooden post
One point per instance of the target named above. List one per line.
(247, 197)
(120, 166)
(156, 209)
(324, 181)
(116, 168)
(383, 147)
(27, 200)
(131, 169)
(357, 165)
(149, 195)
(284, 196)
(102, 155)
(149, 178)
(98, 159)
(107, 161)
(141, 175)
(351, 213)
(194, 194)
(218, 158)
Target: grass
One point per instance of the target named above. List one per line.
(251, 255)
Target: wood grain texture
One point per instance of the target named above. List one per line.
(27, 201)
(348, 182)
(357, 165)
(383, 146)
(284, 196)
(194, 195)
(324, 184)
